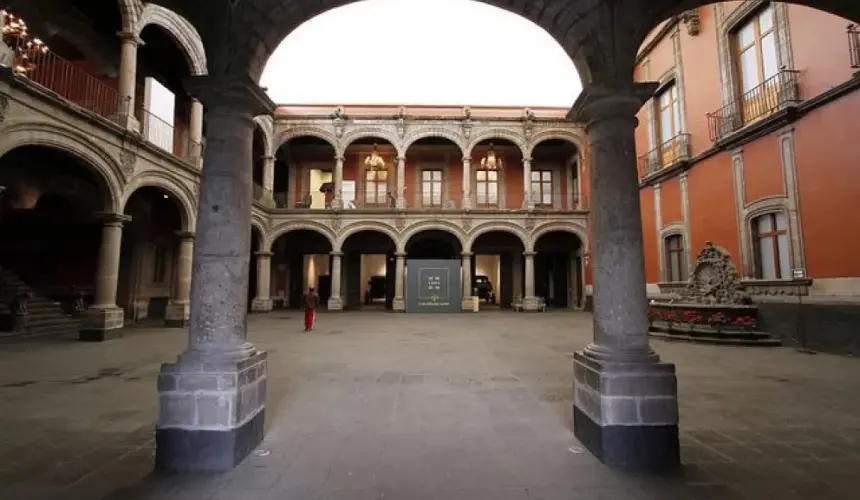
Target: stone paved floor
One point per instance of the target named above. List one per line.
(381, 406)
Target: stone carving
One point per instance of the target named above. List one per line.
(692, 20)
(339, 120)
(4, 107)
(528, 122)
(401, 122)
(127, 161)
(467, 122)
(467, 224)
(530, 223)
(400, 223)
(714, 279)
(336, 224)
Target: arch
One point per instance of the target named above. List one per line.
(258, 222)
(426, 132)
(129, 13)
(107, 169)
(489, 227)
(366, 132)
(438, 225)
(162, 180)
(578, 230)
(497, 133)
(571, 136)
(282, 229)
(292, 132)
(378, 227)
(181, 30)
(265, 124)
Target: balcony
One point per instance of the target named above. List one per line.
(776, 93)
(854, 45)
(672, 152)
(164, 135)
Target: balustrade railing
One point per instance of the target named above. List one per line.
(854, 45)
(671, 152)
(761, 101)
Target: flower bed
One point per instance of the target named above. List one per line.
(680, 318)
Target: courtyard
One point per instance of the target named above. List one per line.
(384, 406)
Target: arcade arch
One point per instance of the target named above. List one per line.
(497, 269)
(431, 175)
(559, 270)
(303, 174)
(297, 259)
(554, 170)
(367, 269)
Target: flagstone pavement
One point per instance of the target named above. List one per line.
(393, 406)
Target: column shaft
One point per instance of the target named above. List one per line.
(178, 310)
(530, 301)
(104, 319)
(195, 131)
(466, 267)
(337, 203)
(401, 183)
(263, 295)
(335, 302)
(399, 276)
(268, 180)
(466, 203)
(127, 80)
(528, 203)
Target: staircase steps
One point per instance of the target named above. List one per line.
(736, 338)
(46, 317)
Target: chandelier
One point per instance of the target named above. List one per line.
(374, 161)
(26, 47)
(491, 162)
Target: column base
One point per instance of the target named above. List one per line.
(177, 315)
(102, 323)
(531, 304)
(626, 414)
(398, 304)
(211, 415)
(262, 305)
(467, 304)
(335, 304)
(126, 121)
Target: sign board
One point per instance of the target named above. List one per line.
(432, 286)
(797, 273)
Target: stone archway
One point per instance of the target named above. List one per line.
(559, 268)
(497, 268)
(368, 271)
(293, 258)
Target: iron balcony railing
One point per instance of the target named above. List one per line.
(162, 134)
(671, 152)
(854, 45)
(771, 96)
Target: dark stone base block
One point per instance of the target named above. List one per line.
(93, 335)
(639, 448)
(176, 323)
(181, 450)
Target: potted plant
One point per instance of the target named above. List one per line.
(692, 318)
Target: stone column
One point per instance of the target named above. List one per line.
(179, 308)
(337, 202)
(262, 302)
(104, 320)
(467, 184)
(399, 303)
(401, 183)
(466, 299)
(127, 84)
(213, 398)
(625, 401)
(528, 203)
(268, 181)
(335, 301)
(195, 132)
(530, 301)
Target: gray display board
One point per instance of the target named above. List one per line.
(433, 286)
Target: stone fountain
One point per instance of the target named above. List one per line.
(713, 308)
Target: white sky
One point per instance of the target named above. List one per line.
(455, 52)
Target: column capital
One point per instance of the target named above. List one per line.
(339, 158)
(269, 158)
(527, 159)
(336, 254)
(597, 102)
(400, 158)
(127, 36)
(185, 235)
(400, 255)
(112, 218)
(466, 255)
(529, 254)
(265, 255)
(467, 159)
(238, 93)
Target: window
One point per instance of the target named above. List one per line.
(756, 59)
(431, 188)
(668, 124)
(159, 263)
(376, 187)
(488, 187)
(542, 187)
(771, 246)
(676, 268)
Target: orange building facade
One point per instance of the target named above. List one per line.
(748, 143)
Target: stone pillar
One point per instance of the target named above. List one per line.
(268, 181)
(530, 301)
(337, 202)
(195, 132)
(466, 299)
(335, 301)
(528, 203)
(625, 400)
(179, 308)
(399, 303)
(104, 320)
(401, 183)
(467, 184)
(262, 302)
(212, 399)
(127, 84)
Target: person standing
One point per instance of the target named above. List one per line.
(310, 300)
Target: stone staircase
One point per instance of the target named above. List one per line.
(45, 318)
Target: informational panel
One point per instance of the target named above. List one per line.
(159, 109)
(433, 286)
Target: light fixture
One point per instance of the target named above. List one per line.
(374, 161)
(491, 162)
